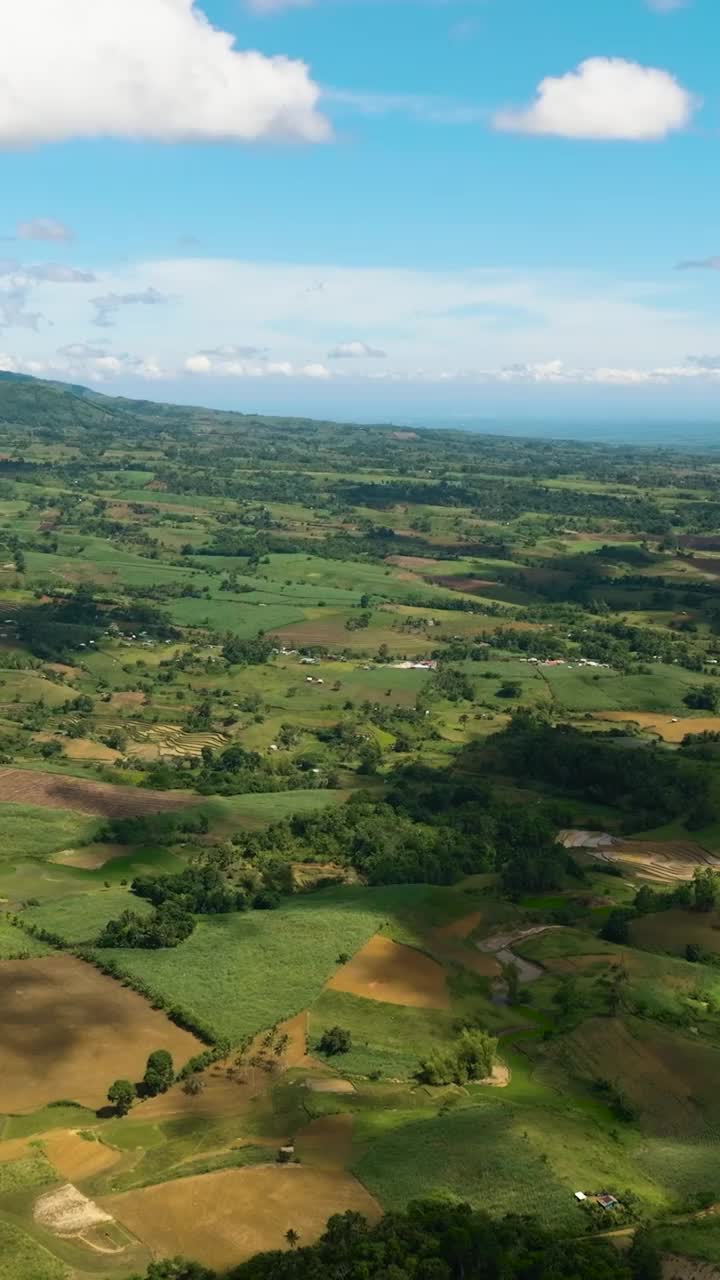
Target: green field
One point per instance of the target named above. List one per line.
(240, 973)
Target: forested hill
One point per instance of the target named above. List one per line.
(58, 406)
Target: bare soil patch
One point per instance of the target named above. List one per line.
(470, 585)
(86, 749)
(76, 1157)
(92, 857)
(223, 1218)
(677, 1268)
(101, 799)
(669, 728)
(132, 698)
(330, 1084)
(67, 1212)
(63, 669)
(387, 971)
(459, 929)
(68, 1032)
(413, 562)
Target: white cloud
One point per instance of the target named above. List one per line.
(107, 306)
(198, 364)
(37, 228)
(356, 350)
(142, 69)
(604, 99)
(315, 371)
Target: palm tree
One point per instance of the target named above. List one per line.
(292, 1238)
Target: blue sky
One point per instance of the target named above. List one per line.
(366, 208)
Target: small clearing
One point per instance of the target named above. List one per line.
(91, 858)
(67, 1212)
(330, 1084)
(395, 974)
(57, 791)
(223, 1218)
(460, 929)
(326, 1143)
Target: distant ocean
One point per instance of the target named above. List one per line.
(690, 435)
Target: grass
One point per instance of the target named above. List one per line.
(243, 972)
(59, 1115)
(80, 917)
(471, 1154)
(29, 831)
(673, 930)
(26, 1174)
(17, 945)
(699, 1239)
(387, 1038)
(22, 1258)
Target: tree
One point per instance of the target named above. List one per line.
(193, 1086)
(159, 1073)
(335, 1040)
(292, 1238)
(616, 927)
(122, 1096)
(644, 1259)
(704, 698)
(705, 889)
(509, 689)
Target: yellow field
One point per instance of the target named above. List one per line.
(223, 1218)
(385, 970)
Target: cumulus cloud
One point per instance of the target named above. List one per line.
(107, 306)
(36, 228)
(604, 99)
(700, 264)
(356, 350)
(144, 69)
(203, 363)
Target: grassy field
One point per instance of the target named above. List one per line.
(29, 831)
(22, 1258)
(241, 973)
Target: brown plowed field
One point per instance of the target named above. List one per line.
(101, 799)
(68, 1032)
(669, 728)
(387, 971)
(223, 1218)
